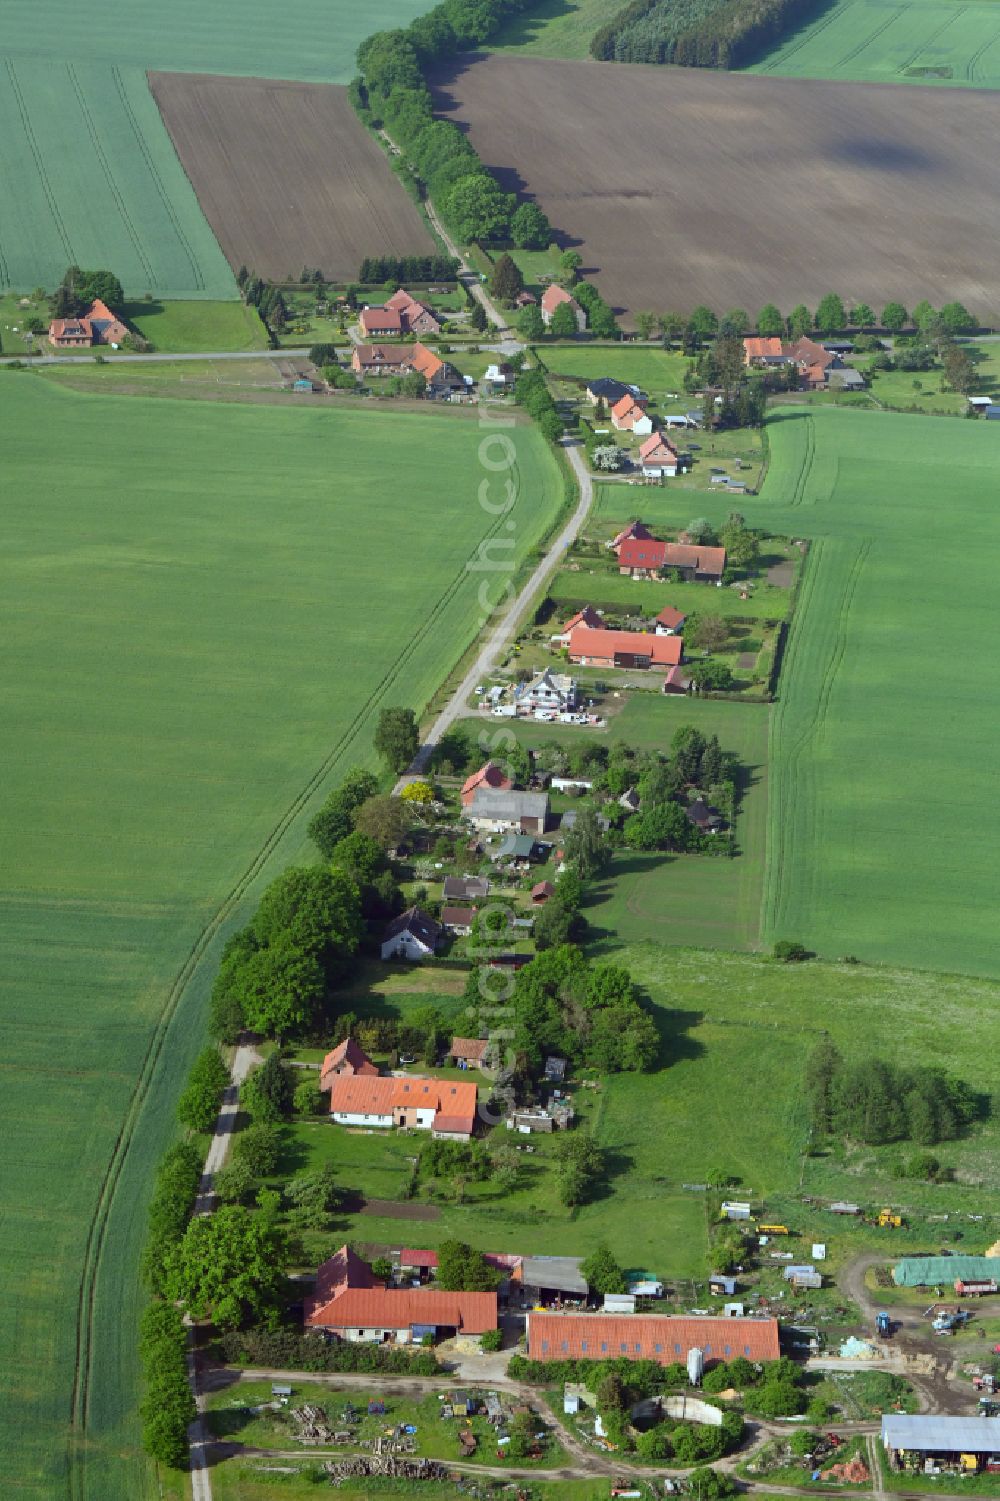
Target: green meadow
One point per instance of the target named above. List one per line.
(736, 1032)
(203, 608)
(946, 43)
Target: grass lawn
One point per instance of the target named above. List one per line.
(929, 42)
(191, 327)
(190, 661)
(655, 370)
(555, 28)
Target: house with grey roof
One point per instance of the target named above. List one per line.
(497, 811)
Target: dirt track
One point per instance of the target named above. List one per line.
(286, 175)
(688, 186)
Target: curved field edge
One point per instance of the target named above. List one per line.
(435, 623)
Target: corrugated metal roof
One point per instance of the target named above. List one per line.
(561, 1273)
(924, 1271)
(955, 1435)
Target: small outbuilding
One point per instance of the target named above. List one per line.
(541, 893)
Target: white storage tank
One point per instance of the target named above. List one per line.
(696, 1366)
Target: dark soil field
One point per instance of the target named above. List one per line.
(683, 187)
(286, 175)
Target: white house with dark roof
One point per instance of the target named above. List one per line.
(411, 935)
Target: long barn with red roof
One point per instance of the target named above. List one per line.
(603, 1336)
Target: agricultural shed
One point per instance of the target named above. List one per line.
(556, 1274)
(929, 1433)
(926, 1271)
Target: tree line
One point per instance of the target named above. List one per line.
(392, 89)
(874, 1100)
(696, 33)
(375, 270)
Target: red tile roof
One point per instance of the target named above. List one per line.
(397, 355)
(468, 1047)
(671, 618)
(656, 447)
(554, 296)
(488, 775)
(663, 651)
(583, 1336)
(457, 917)
(426, 362)
(344, 1269)
(401, 1308)
(654, 554)
(360, 1094)
(807, 352)
(628, 411)
(587, 616)
(380, 320)
(762, 349)
(635, 530)
(542, 891)
(348, 1055)
(418, 1258)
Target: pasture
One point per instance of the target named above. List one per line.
(941, 43)
(736, 1032)
(120, 199)
(657, 371)
(287, 175)
(701, 214)
(190, 660)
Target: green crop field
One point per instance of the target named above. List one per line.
(317, 43)
(120, 199)
(883, 828)
(191, 652)
(947, 43)
(883, 825)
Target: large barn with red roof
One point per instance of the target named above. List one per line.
(604, 1336)
(351, 1303)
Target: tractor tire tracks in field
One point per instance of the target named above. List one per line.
(117, 195)
(789, 766)
(98, 1228)
(29, 135)
(157, 180)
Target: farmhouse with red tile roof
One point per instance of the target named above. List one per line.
(588, 616)
(347, 1058)
(468, 1050)
(635, 531)
(642, 559)
(669, 621)
(98, 326)
(630, 416)
(489, 775)
(349, 1303)
(768, 351)
(584, 1336)
(553, 297)
(401, 314)
(623, 649)
(444, 1108)
(658, 457)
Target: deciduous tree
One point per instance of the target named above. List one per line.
(397, 737)
(229, 1267)
(529, 228)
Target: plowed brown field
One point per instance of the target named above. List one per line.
(286, 175)
(684, 187)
